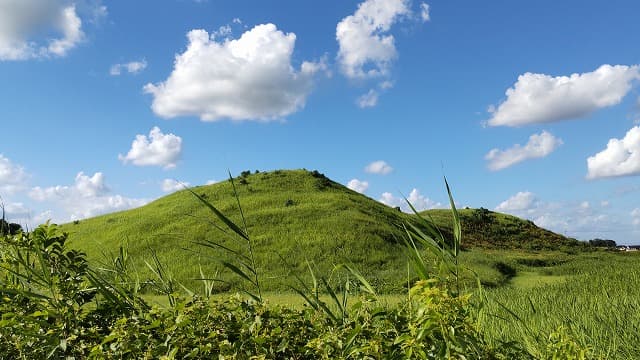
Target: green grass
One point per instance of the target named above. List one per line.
(294, 215)
(596, 296)
(493, 230)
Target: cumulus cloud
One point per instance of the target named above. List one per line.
(366, 49)
(419, 201)
(571, 218)
(635, 216)
(88, 196)
(211, 182)
(358, 185)
(538, 146)
(156, 150)
(13, 178)
(620, 158)
(250, 78)
(132, 67)
(171, 185)
(16, 210)
(378, 167)
(370, 99)
(522, 201)
(540, 98)
(23, 23)
(425, 13)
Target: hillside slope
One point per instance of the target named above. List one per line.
(488, 229)
(292, 216)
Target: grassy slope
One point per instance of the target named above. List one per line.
(296, 215)
(327, 223)
(493, 230)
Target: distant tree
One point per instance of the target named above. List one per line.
(245, 173)
(7, 228)
(14, 228)
(4, 227)
(602, 243)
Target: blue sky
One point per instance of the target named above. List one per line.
(528, 108)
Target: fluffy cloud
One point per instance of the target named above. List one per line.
(22, 21)
(635, 216)
(87, 197)
(358, 185)
(171, 185)
(13, 178)
(378, 167)
(366, 47)
(522, 201)
(419, 201)
(538, 146)
(540, 98)
(244, 79)
(132, 67)
(572, 218)
(16, 210)
(425, 13)
(156, 150)
(370, 99)
(620, 158)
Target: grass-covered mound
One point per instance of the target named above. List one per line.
(292, 216)
(489, 229)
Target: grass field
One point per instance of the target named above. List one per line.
(292, 216)
(596, 296)
(534, 282)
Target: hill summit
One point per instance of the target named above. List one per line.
(294, 217)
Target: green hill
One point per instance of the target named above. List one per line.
(488, 229)
(292, 216)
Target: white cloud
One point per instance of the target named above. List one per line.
(16, 210)
(13, 178)
(132, 67)
(385, 85)
(156, 150)
(370, 99)
(635, 215)
(22, 23)
(538, 146)
(522, 201)
(171, 185)
(211, 182)
(358, 185)
(620, 158)
(425, 12)
(571, 218)
(540, 98)
(87, 197)
(366, 47)
(378, 167)
(244, 79)
(84, 187)
(419, 201)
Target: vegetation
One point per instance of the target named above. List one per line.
(294, 215)
(550, 304)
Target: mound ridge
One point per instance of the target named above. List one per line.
(295, 217)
